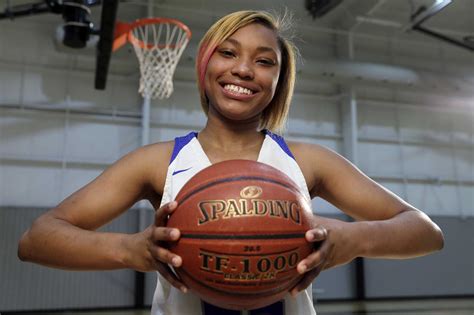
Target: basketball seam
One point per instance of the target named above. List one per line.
(249, 295)
(233, 179)
(241, 237)
(248, 254)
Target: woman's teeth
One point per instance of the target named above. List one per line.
(237, 89)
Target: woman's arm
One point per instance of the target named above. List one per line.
(65, 236)
(385, 226)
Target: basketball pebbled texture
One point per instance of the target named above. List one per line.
(242, 229)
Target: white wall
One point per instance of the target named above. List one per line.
(422, 154)
(57, 132)
(414, 135)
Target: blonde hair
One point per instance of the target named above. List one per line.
(275, 114)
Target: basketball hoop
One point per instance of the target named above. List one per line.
(159, 44)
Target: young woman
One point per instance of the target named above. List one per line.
(246, 74)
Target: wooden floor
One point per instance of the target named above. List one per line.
(391, 307)
(395, 307)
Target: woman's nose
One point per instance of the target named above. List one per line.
(243, 69)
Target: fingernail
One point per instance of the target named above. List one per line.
(302, 268)
(309, 236)
(172, 205)
(176, 261)
(322, 233)
(174, 234)
(184, 289)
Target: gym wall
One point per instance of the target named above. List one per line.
(57, 133)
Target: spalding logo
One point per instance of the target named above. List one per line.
(251, 192)
(250, 205)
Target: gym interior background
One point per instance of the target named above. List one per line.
(395, 100)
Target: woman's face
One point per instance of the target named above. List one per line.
(242, 74)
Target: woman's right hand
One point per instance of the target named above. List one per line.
(151, 243)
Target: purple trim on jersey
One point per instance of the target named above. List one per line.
(281, 142)
(209, 309)
(277, 308)
(180, 142)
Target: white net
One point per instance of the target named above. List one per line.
(158, 47)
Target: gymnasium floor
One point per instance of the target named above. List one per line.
(393, 307)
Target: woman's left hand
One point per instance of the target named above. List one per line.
(334, 244)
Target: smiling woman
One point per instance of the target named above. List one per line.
(242, 75)
(246, 75)
(271, 49)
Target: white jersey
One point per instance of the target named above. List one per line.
(187, 159)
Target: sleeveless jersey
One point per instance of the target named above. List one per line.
(187, 159)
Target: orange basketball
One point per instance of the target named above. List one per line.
(243, 227)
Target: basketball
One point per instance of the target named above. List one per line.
(243, 227)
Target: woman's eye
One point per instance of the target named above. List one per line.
(226, 53)
(266, 62)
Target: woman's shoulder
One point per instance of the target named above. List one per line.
(158, 152)
(149, 164)
(314, 161)
(158, 149)
(308, 150)
(157, 155)
(307, 156)
(315, 154)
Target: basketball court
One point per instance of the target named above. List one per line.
(394, 307)
(386, 83)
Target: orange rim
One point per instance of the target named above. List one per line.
(124, 32)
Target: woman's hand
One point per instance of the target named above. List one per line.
(334, 244)
(151, 242)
